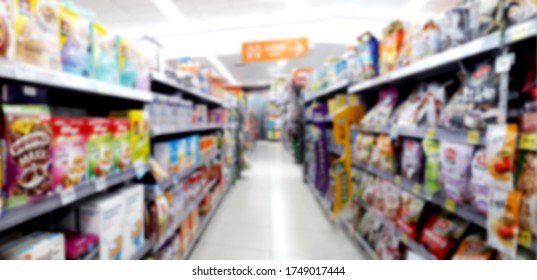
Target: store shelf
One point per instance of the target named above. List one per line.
(461, 52)
(453, 136)
(203, 225)
(464, 211)
(521, 31)
(161, 78)
(331, 89)
(199, 128)
(23, 214)
(173, 229)
(146, 248)
(57, 79)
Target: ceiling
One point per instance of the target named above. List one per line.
(218, 27)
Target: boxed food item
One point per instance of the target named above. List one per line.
(37, 246)
(75, 42)
(28, 137)
(7, 30)
(37, 29)
(174, 156)
(121, 146)
(412, 160)
(428, 42)
(501, 147)
(431, 147)
(409, 214)
(104, 216)
(99, 150)
(441, 233)
(473, 247)
(143, 69)
(182, 163)
(455, 162)
(387, 245)
(104, 53)
(502, 221)
(527, 185)
(140, 135)
(128, 55)
(79, 247)
(133, 226)
(68, 152)
(390, 46)
(480, 191)
(459, 24)
(161, 153)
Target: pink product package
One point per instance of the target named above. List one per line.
(455, 162)
(79, 246)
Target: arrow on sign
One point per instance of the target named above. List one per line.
(298, 49)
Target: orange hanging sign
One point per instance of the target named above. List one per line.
(274, 50)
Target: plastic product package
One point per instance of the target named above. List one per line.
(380, 114)
(455, 162)
(387, 245)
(501, 146)
(390, 46)
(480, 191)
(7, 31)
(490, 16)
(527, 185)
(409, 214)
(413, 110)
(459, 24)
(502, 221)
(412, 160)
(431, 147)
(367, 54)
(473, 247)
(521, 10)
(441, 233)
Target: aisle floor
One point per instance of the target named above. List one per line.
(271, 214)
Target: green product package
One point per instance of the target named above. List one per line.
(431, 147)
(99, 152)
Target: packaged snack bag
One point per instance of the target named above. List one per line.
(7, 31)
(412, 160)
(432, 165)
(121, 146)
(391, 200)
(459, 24)
(75, 42)
(28, 137)
(37, 29)
(68, 152)
(527, 186)
(387, 245)
(473, 247)
(409, 214)
(413, 110)
(385, 154)
(390, 46)
(99, 149)
(380, 114)
(501, 144)
(502, 221)
(367, 53)
(455, 161)
(127, 62)
(480, 191)
(104, 53)
(490, 16)
(441, 233)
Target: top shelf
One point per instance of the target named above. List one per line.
(43, 77)
(336, 87)
(161, 78)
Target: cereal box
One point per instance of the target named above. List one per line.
(133, 226)
(174, 156)
(99, 152)
(127, 62)
(104, 51)
(7, 33)
(75, 42)
(68, 152)
(121, 146)
(28, 139)
(36, 28)
(181, 154)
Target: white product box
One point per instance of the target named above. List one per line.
(133, 227)
(161, 153)
(37, 246)
(104, 216)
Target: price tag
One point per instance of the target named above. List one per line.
(503, 63)
(520, 31)
(416, 188)
(431, 132)
(100, 184)
(68, 196)
(528, 142)
(397, 180)
(450, 205)
(474, 137)
(525, 238)
(404, 239)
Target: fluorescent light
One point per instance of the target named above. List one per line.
(170, 10)
(413, 6)
(222, 69)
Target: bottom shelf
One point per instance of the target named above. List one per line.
(203, 225)
(146, 248)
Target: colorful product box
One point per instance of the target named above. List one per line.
(68, 152)
(127, 62)
(121, 145)
(195, 149)
(99, 152)
(104, 52)
(140, 135)
(79, 247)
(7, 31)
(104, 216)
(161, 153)
(75, 42)
(28, 137)
(174, 156)
(37, 29)
(182, 154)
(40, 246)
(133, 228)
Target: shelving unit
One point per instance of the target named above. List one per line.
(146, 248)
(199, 128)
(340, 86)
(162, 79)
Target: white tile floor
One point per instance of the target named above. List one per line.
(271, 214)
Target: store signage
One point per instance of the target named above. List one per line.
(274, 50)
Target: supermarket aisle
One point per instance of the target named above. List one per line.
(271, 214)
